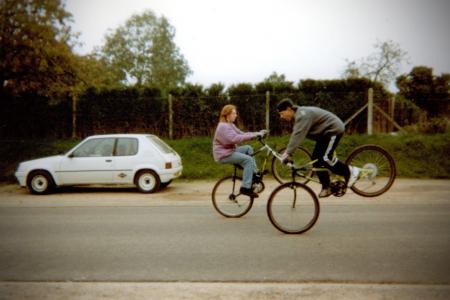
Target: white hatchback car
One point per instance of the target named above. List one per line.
(143, 160)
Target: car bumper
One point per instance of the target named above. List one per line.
(171, 174)
(21, 178)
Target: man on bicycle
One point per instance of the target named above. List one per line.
(326, 129)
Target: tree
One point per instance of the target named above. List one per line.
(274, 78)
(144, 51)
(94, 72)
(168, 66)
(35, 55)
(352, 70)
(381, 66)
(276, 84)
(427, 91)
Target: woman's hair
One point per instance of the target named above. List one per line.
(226, 110)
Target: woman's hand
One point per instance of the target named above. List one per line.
(263, 133)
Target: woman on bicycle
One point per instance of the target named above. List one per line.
(226, 151)
(326, 129)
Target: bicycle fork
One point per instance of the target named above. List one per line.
(294, 189)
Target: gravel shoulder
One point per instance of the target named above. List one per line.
(198, 192)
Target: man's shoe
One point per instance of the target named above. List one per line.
(354, 176)
(325, 192)
(248, 192)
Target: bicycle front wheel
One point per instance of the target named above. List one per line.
(293, 208)
(377, 170)
(283, 173)
(227, 200)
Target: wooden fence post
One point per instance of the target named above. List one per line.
(267, 109)
(170, 117)
(391, 113)
(74, 116)
(370, 112)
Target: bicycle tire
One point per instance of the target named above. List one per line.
(283, 173)
(225, 198)
(381, 170)
(291, 203)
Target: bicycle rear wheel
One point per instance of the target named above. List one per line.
(283, 173)
(377, 170)
(293, 208)
(226, 198)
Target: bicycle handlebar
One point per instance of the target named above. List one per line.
(261, 137)
(290, 164)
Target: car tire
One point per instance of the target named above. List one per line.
(147, 181)
(40, 183)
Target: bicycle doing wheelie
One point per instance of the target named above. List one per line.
(226, 198)
(293, 207)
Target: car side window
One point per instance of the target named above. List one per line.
(126, 147)
(95, 148)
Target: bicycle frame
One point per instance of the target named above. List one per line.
(269, 151)
(302, 171)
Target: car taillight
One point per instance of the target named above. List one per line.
(168, 165)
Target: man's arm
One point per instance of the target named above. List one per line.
(301, 128)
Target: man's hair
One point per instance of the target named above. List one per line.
(284, 104)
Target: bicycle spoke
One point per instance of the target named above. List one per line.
(293, 209)
(227, 200)
(377, 170)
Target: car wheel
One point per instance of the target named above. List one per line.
(40, 183)
(147, 181)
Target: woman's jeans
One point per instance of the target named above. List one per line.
(242, 157)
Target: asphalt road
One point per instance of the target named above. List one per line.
(119, 235)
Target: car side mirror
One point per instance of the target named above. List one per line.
(70, 155)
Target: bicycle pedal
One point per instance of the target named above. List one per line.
(258, 188)
(338, 188)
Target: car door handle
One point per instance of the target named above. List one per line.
(108, 160)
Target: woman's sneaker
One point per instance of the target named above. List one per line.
(354, 176)
(248, 192)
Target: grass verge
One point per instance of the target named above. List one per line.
(416, 156)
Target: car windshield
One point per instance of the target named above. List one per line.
(161, 144)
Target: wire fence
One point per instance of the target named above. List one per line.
(178, 116)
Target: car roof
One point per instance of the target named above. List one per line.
(115, 135)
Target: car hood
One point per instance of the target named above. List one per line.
(49, 160)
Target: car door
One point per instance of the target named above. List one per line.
(125, 159)
(90, 163)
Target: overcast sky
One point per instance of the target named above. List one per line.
(235, 41)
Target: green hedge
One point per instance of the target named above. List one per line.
(195, 108)
(417, 156)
